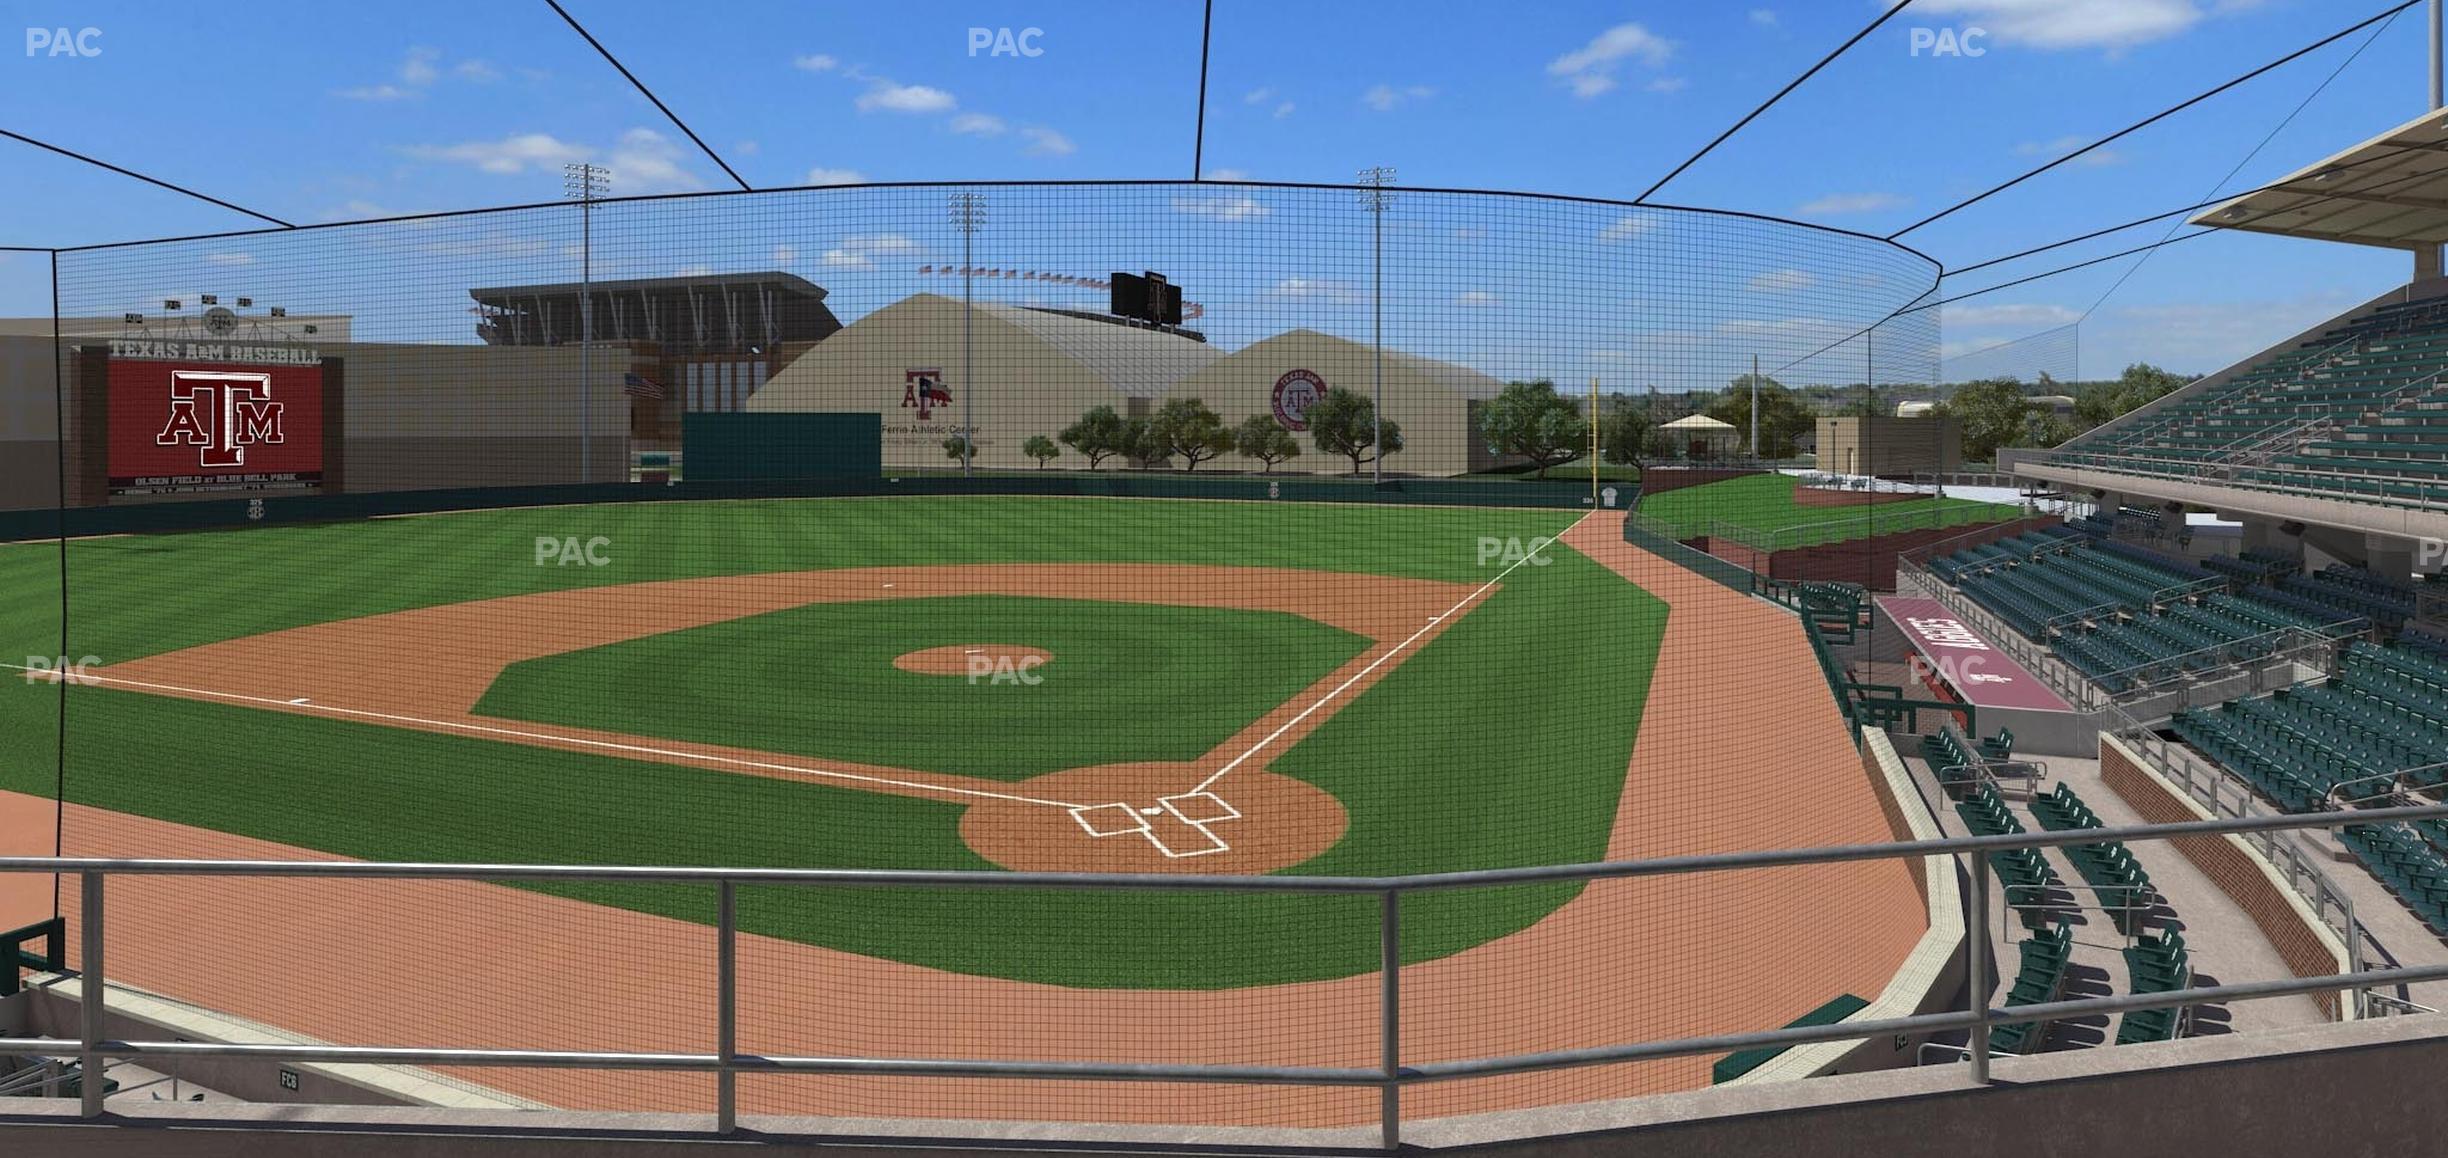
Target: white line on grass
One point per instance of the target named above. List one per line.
(1260, 746)
(637, 749)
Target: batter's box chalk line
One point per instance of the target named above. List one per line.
(1196, 810)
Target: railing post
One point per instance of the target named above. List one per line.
(726, 1006)
(1389, 1095)
(1976, 949)
(90, 986)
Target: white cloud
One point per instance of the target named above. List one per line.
(1764, 17)
(823, 176)
(1628, 226)
(230, 258)
(419, 67)
(1283, 110)
(861, 251)
(377, 92)
(905, 98)
(513, 154)
(1590, 69)
(641, 161)
(1837, 204)
(1258, 96)
(784, 255)
(1668, 84)
(1477, 300)
(814, 62)
(645, 161)
(1783, 281)
(983, 124)
(477, 71)
(2003, 314)
(1385, 97)
(1313, 288)
(357, 211)
(1045, 142)
(1221, 208)
(2064, 145)
(745, 148)
(2113, 25)
(1228, 174)
(700, 270)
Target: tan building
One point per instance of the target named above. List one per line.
(1435, 403)
(1035, 371)
(1890, 447)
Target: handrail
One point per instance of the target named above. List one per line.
(94, 1047)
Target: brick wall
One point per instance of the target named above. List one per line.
(2231, 866)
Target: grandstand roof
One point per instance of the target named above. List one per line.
(2391, 190)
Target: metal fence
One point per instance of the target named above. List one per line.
(1395, 1073)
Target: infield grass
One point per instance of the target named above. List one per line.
(1765, 503)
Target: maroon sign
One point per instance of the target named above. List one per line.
(1957, 652)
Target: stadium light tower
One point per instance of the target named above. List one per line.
(586, 182)
(968, 213)
(1375, 199)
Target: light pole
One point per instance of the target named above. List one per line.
(968, 211)
(586, 182)
(1374, 198)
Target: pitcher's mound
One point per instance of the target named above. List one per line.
(955, 659)
(1251, 821)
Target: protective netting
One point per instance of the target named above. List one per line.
(644, 533)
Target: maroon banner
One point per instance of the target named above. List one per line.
(1957, 653)
(201, 427)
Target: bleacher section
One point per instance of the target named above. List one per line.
(2376, 729)
(2124, 891)
(2156, 964)
(2359, 412)
(2127, 616)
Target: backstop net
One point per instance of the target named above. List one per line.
(1198, 528)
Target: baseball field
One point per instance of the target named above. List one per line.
(1372, 691)
(980, 683)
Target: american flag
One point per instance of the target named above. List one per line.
(641, 386)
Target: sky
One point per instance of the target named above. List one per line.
(323, 112)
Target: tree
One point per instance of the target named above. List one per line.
(1624, 432)
(1098, 435)
(957, 448)
(2140, 385)
(1345, 423)
(1783, 417)
(1995, 413)
(1186, 428)
(1531, 420)
(1041, 448)
(1139, 443)
(1261, 437)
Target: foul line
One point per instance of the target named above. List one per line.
(638, 749)
(1357, 676)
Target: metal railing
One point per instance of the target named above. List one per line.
(94, 1048)
(2078, 693)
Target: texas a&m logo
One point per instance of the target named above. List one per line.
(220, 414)
(923, 390)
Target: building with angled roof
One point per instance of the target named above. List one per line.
(1030, 372)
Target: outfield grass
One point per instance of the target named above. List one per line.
(1765, 503)
(1502, 743)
